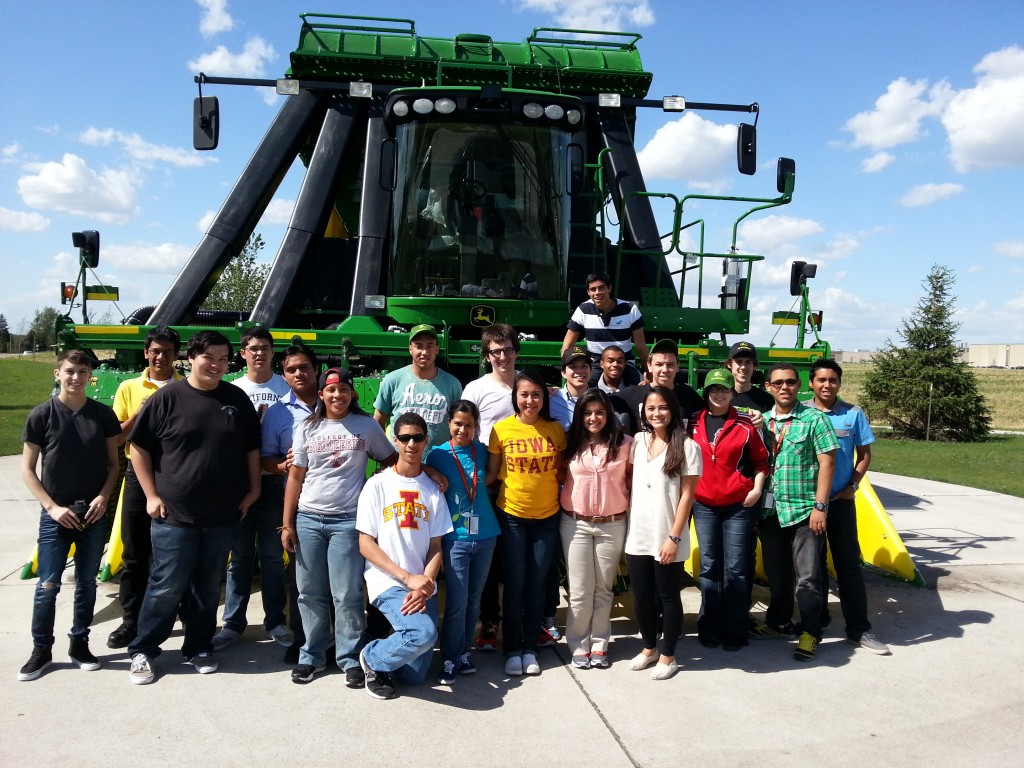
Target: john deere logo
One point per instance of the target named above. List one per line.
(482, 316)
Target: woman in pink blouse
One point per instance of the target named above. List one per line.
(595, 499)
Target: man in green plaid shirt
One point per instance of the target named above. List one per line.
(792, 528)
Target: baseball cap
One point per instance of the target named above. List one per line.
(422, 328)
(575, 352)
(719, 377)
(741, 348)
(665, 347)
(336, 376)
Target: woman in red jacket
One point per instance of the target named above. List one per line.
(725, 512)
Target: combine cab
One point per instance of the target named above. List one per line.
(458, 182)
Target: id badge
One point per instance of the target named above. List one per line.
(472, 524)
(768, 501)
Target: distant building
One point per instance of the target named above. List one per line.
(975, 355)
(852, 355)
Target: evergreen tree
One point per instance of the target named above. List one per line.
(928, 368)
(43, 328)
(5, 334)
(241, 281)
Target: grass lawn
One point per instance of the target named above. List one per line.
(25, 382)
(995, 465)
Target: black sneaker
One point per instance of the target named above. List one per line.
(37, 662)
(378, 684)
(80, 654)
(355, 677)
(304, 673)
(122, 636)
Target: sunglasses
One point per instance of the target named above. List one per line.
(419, 437)
(502, 351)
(784, 383)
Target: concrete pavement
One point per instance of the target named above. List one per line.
(952, 693)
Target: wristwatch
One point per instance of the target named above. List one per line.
(818, 506)
(674, 539)
(854, 484)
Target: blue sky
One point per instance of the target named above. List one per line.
(904, 119)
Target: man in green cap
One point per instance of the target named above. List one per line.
(421, 387)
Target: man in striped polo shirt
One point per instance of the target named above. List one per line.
(605, 321)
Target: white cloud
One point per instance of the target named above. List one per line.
(1016, 304)
(142, 151)
(898, 113)
(768, 234)
(693, 150)
(251, 62)
(215, 17)
(927, 194)
(983, 122)
(10, 153)
(975, 269)
(20, 221)
(594, 14)
(278, 212)
(70, 186)
(1012, 248)
(205, 221)
(162, 258)
(877, 162)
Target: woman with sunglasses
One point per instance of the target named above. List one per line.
(666, 465)
(725, 511)
(595, 500)
(331, 450)
(526, 455)
(467, 551)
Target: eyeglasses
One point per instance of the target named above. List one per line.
(419, 437)
(502, 352)
(161, 352)
(784, 383)
(259, 350)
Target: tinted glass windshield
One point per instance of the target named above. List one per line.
(480, 211)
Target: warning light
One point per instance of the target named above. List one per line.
(68, 292)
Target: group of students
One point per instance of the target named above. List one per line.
(523, 473)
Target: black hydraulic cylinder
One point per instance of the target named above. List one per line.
(240, 212)
(373, 216)
(623, 176)
(312, 209)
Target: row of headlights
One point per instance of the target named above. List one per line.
(445, 106)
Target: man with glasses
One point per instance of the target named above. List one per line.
(421, 387)
(160, 351)
(260, 527)
(401, 519)
(604, 320)
(492, 394)
(795, 509)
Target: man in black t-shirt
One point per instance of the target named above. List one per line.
(77, 440)
(742, 364)
(196, 451)
(663, 365)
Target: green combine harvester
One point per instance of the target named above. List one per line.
(459, 182)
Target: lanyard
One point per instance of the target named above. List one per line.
(465, 481)
(779, 436)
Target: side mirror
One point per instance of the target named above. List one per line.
(786, 167)
(205, 122)
(798, 276)
(574, 170)
(88, 245)
(387, 169)
(746, 149)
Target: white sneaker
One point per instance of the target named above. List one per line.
(141, 670)
(530, 665)
(281, 635)
(664, 671)
(225, 637)
(204, 663)
(514, 666)
(642, 661)
(871, 643)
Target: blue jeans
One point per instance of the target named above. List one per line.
(329, 569)
(726, 538)
(187, 561)
(54, 544)
(793, 553)
(406, 652)
(259, 527)
(527, 549)
(466, 564)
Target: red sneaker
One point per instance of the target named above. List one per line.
(487, 640)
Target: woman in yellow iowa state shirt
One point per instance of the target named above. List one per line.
(526, 455)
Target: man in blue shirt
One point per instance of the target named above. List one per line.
(852, 461)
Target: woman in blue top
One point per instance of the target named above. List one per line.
(468, 549)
